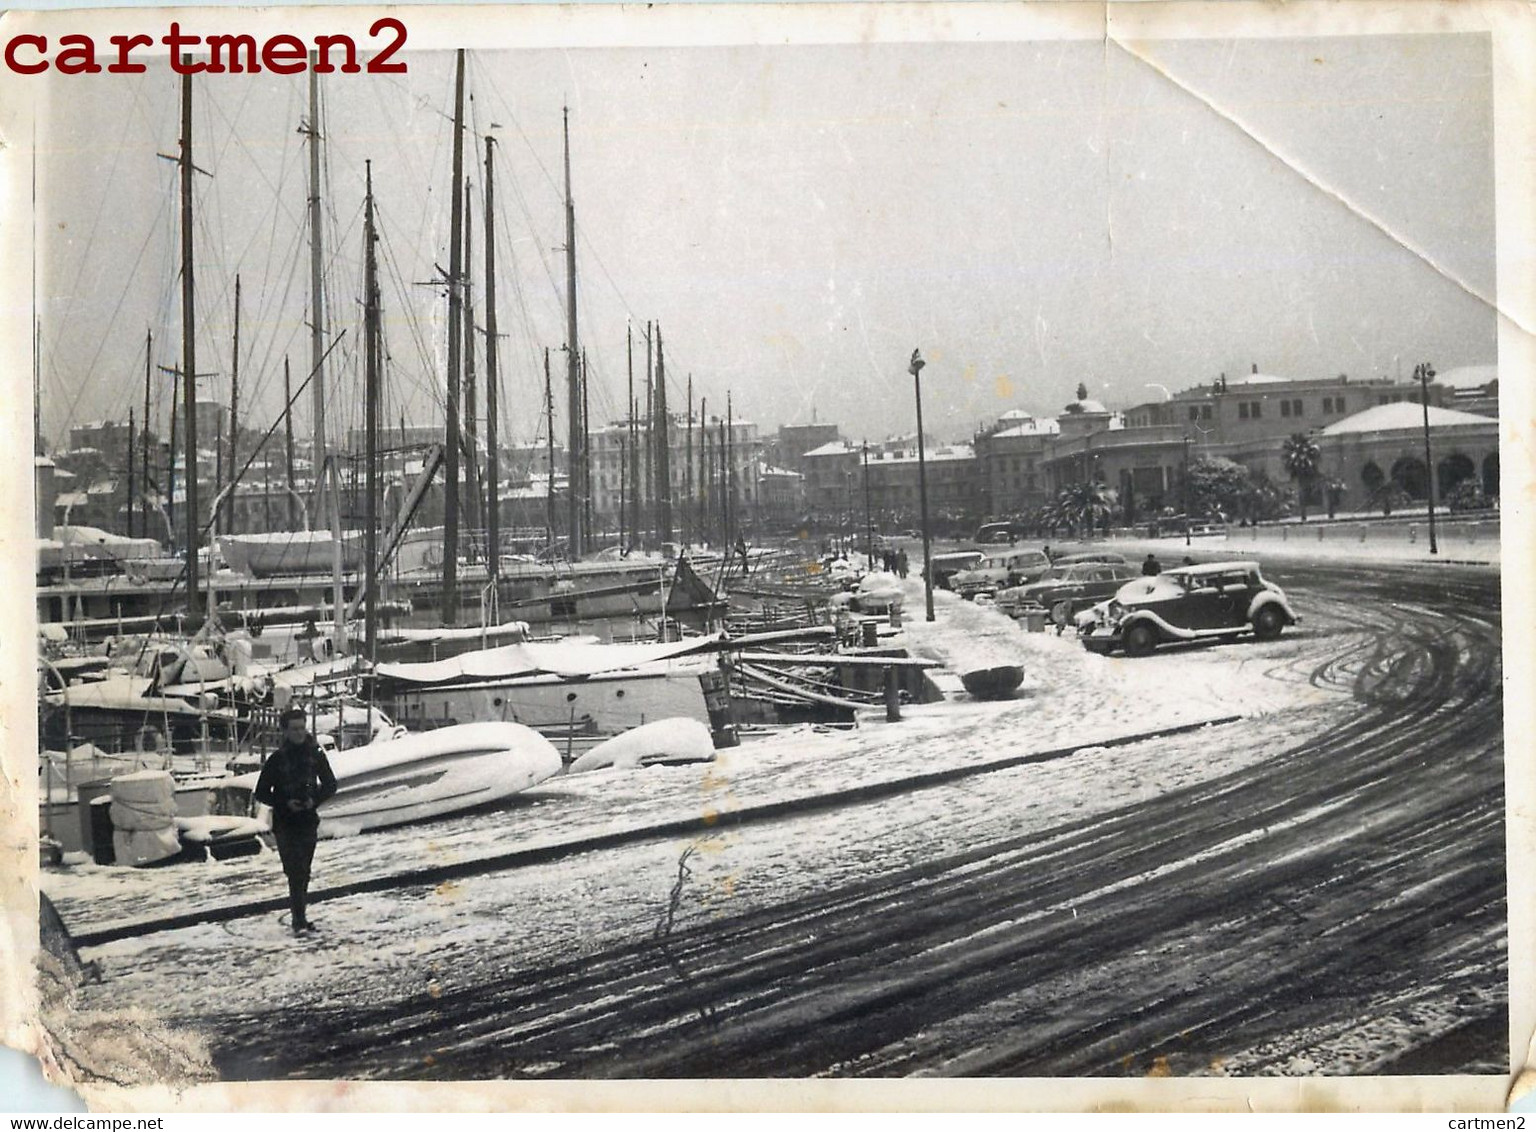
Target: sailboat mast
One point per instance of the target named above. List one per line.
(370, 420)
(149, 350)
(586, 458)
(627, 442)
(650, 436)
(234, 420)
(450, 609)
(189, 343)
(492, 396)
(663, 446)
(471, 398)
(288, 436)
(730, 470)
(320, 451)
(170, 454)
(576, 456)
(705, 475)
(690, 503)
(549, 433)
(130, 471)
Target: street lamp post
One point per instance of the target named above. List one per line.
(869, 520)
(915, 368)
(1424, 372)
(1186, 489)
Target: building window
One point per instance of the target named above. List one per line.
(1338, 404)
(1255, 410)
(1327, 405)
(1194, 412)
(1242, 410)
(1285, 408)
(1205, 412)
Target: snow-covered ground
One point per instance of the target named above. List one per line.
(377, 946)
(1070, 699)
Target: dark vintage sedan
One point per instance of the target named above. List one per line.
(1218, 599)
(946, 566)
(1065, 589)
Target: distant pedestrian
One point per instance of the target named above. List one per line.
(296, 779)
(1188, 561)
(901, 563)
(741, 552)
(1151, 567)
(1046, 550)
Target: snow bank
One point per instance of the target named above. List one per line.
(879, 591)
(204, 829)
(664, 741)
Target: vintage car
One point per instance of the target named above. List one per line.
(1217, 599)
(1065, 589)
(946, 566)
(1087, 556)
(999, 570)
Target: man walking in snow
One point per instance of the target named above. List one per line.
(1151, 567)
(296, 779)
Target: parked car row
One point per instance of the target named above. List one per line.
(999, 570)
(1066, 588)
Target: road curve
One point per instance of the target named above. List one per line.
(1338, 907)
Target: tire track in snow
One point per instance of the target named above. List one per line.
(1361, 867)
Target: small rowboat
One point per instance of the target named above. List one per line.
(993, 683)
(434, 773)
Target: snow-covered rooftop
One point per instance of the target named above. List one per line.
(1030, 426)
(1258, 379)
(831, 448)
(1402, 415)
(1467, 377)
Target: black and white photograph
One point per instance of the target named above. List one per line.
(716, 547)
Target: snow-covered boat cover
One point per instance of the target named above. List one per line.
(434, 773)
(660, 741)
(562, 658)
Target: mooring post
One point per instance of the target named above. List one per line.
(892, 695)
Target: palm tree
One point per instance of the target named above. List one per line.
(1301, 457)
(1085, 505)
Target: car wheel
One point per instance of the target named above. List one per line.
(1267, 623)
(1061, 612)
(1140, 640)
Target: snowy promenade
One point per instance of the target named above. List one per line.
(1070, 700)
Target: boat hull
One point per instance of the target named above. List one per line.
(993, 683)
(602, 704)
(290, 552)
(434, 774)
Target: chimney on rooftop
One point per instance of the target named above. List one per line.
(1255, 367)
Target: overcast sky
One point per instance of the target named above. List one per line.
(799, 218)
